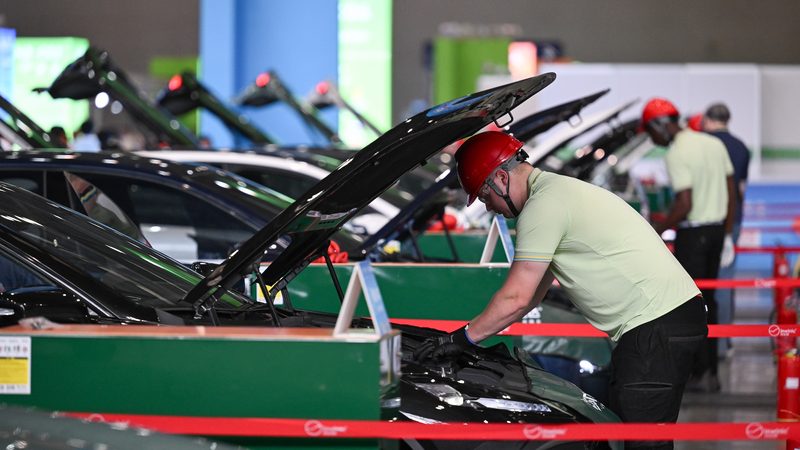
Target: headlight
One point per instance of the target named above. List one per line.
(511, 405)
(443, 392)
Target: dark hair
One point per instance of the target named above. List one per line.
(718, 112)
(87, 127)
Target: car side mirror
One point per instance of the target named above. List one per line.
(10, 312)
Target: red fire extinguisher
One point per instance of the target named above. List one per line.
(789, 387)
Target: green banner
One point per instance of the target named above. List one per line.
(458, 62)
(37, 62)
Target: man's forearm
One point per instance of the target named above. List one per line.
(513, 300)
(503, 310)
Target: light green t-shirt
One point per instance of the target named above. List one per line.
(611, 263)
(700, 162)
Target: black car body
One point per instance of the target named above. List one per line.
(100, 276)
(189, 211)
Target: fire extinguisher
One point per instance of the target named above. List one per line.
(789, 387)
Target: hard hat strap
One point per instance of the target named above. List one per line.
(507, 166)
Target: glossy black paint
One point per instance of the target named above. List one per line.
(203, 183)
(35, 136)
(528, 127)
(610, 142)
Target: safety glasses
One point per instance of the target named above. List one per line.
(483, 192)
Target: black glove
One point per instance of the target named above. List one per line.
(446, 346)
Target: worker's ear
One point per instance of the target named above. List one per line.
(502, 176)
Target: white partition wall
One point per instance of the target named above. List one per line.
(780, 100)
(692, 87)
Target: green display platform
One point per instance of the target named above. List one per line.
(469, 246)
(202, 372)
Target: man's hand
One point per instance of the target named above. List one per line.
(728, 252)
(447, 346)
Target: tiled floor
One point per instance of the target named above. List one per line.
(748, 378)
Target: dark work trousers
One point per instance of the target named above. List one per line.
(698, 250)
(651, 365)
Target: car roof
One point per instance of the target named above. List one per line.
(146, 168)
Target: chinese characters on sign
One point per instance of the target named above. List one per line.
(15, 365)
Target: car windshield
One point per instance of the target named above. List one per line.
(123, 265)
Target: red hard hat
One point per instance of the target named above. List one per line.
(656, 108)
(480, 155)
(695, 122)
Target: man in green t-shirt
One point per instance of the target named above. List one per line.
(702, 213)
(609, 261)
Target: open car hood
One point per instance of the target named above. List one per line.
(95, 72)
(529, 127)
(185, 92)
(21, 129)
(559, 138)
(301, 232)
(269, 88)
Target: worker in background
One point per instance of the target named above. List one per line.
(58, 137)
(702, 211)
(715, 122)
(85, 139)
(609, 261)
(695, 122)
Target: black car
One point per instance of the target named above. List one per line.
(76, 270)
(189, 211)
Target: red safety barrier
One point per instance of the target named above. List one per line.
(587, 330)
(325, 428)
(759, 283)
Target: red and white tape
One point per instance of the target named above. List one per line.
(325, 428)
